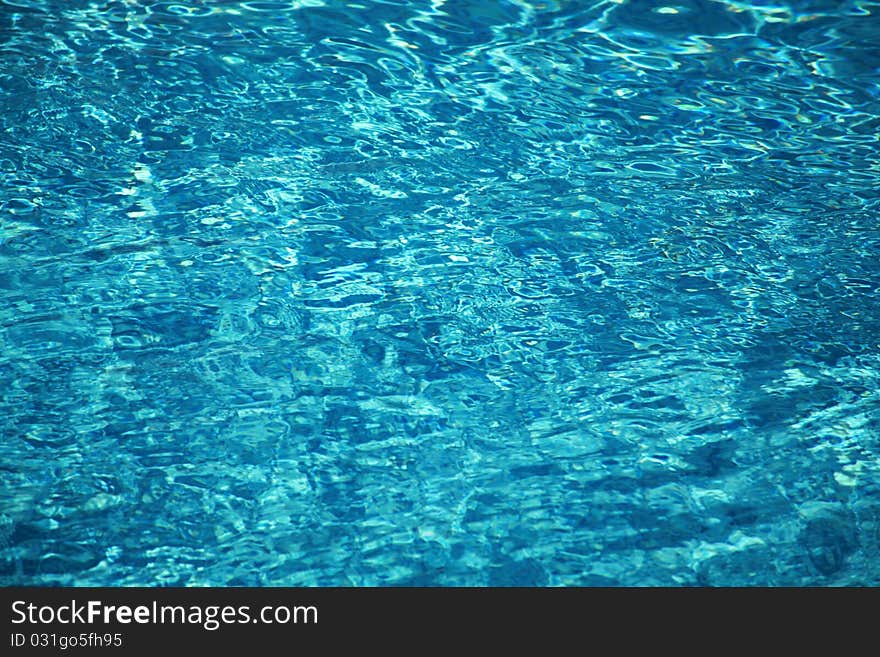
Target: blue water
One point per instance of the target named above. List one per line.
(523, 292)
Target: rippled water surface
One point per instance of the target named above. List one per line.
(523, 292)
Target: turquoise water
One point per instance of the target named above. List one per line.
(439, 293)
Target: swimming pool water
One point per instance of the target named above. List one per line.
(410, 292)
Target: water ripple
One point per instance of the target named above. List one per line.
(433, 292)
